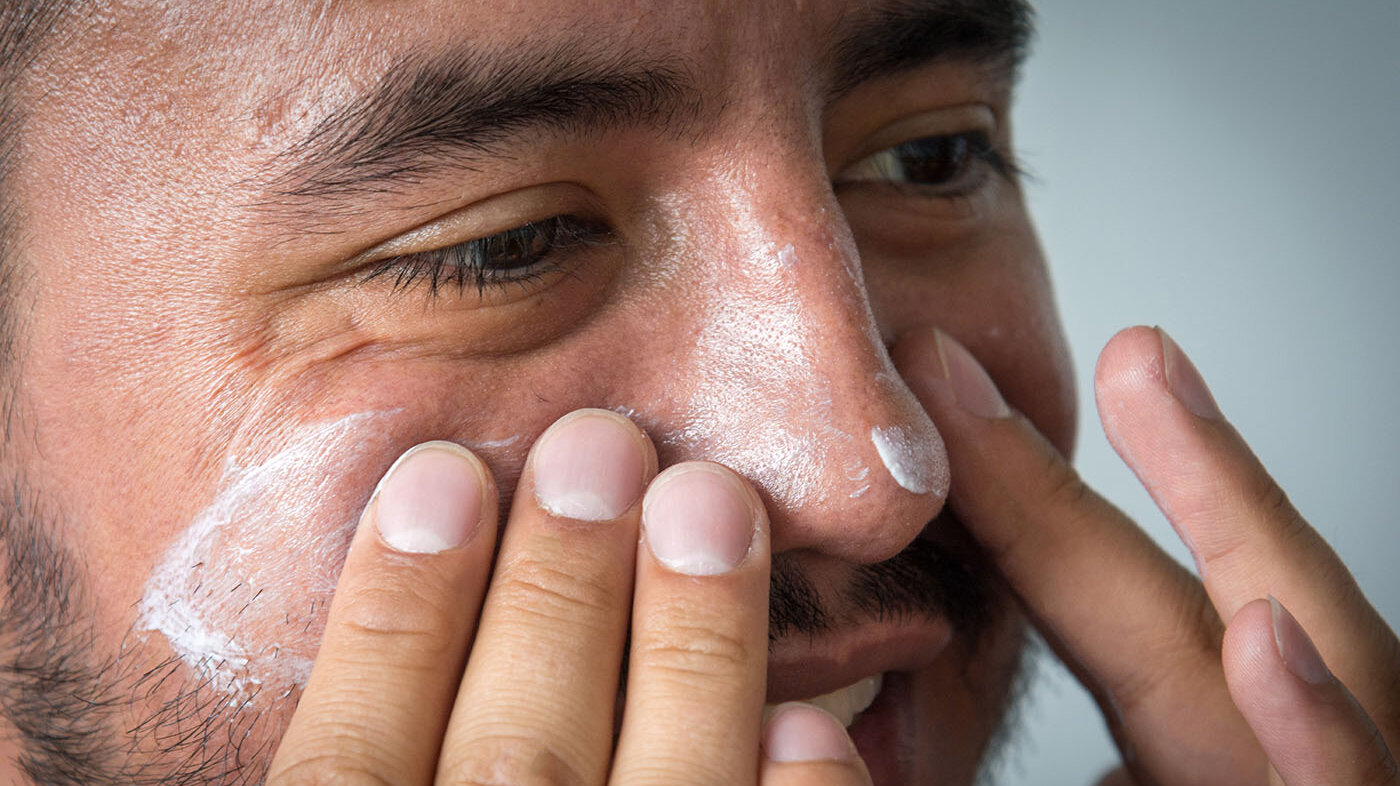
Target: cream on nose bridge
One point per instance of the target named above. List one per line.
(763, 400)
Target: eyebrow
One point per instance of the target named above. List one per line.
(455, 109)
(901, 36)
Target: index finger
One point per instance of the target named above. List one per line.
(1134, 626)
(1248, 540)
(399, 625)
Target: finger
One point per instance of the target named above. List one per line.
(1134, 626)
(805, 745)
(537, 700)
(699, 656)
(1312, 729)
(396, 637)
(1248, 541)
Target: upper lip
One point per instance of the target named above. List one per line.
(801, 667)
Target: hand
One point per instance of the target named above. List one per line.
(427, 674)
(1200, 683)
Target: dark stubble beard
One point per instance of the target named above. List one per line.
(76, 710)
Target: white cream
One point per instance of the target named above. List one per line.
(910, 461)
(495, 444)
(753, 405)
(763, 400)
(857, 472)
(241, 595)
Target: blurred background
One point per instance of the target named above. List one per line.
(1230, 170)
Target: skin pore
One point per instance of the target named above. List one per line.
(238, 323)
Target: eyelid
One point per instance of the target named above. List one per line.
(484, 218)
(941, 122)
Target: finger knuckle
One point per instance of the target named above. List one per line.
(1063, 485)
(390, 619)
(1270, 498)
(1060, 489)
(554, 592)
(512, 761)
(1194, 638)
(689, 650)
(1266, 499)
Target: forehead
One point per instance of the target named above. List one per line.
(229, 104)
(278, 60)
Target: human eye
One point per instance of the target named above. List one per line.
(940, 166)
(517, 257)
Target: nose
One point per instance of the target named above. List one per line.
(783, 374)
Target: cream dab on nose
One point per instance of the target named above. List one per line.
(910, 460)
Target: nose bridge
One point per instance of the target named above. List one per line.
(794, 387)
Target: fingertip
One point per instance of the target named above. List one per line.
(702, 519)
(436, 496)
(918, 358)
(1141, 359)
(1295, 647)
(1247, 651)
(804, 744)
(1264, 641)
(591, 465)
(798, 731)
(1308, 723)
(938, 365)
(1131, 360)
(1185, 382)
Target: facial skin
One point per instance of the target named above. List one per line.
(202, 303)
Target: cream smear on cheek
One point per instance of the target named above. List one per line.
(241, 595)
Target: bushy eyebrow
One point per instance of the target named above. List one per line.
(900, 36)
(459, 107)
(454, 109)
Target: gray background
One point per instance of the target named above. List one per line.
(1229, 169)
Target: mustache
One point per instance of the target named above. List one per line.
(946, 578)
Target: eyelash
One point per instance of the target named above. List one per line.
(968, 148)
(516, 256)
(526, 253)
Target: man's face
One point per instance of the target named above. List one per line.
(266, 249)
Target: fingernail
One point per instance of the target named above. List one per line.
(697, 520)
(801, 732)
(1296, 649)
(590, 465)
(429, 500)
(972, 386)
(1185, 381)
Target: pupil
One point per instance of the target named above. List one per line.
(934, 161)
(518, 248)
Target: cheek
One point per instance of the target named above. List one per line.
(241, 595)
